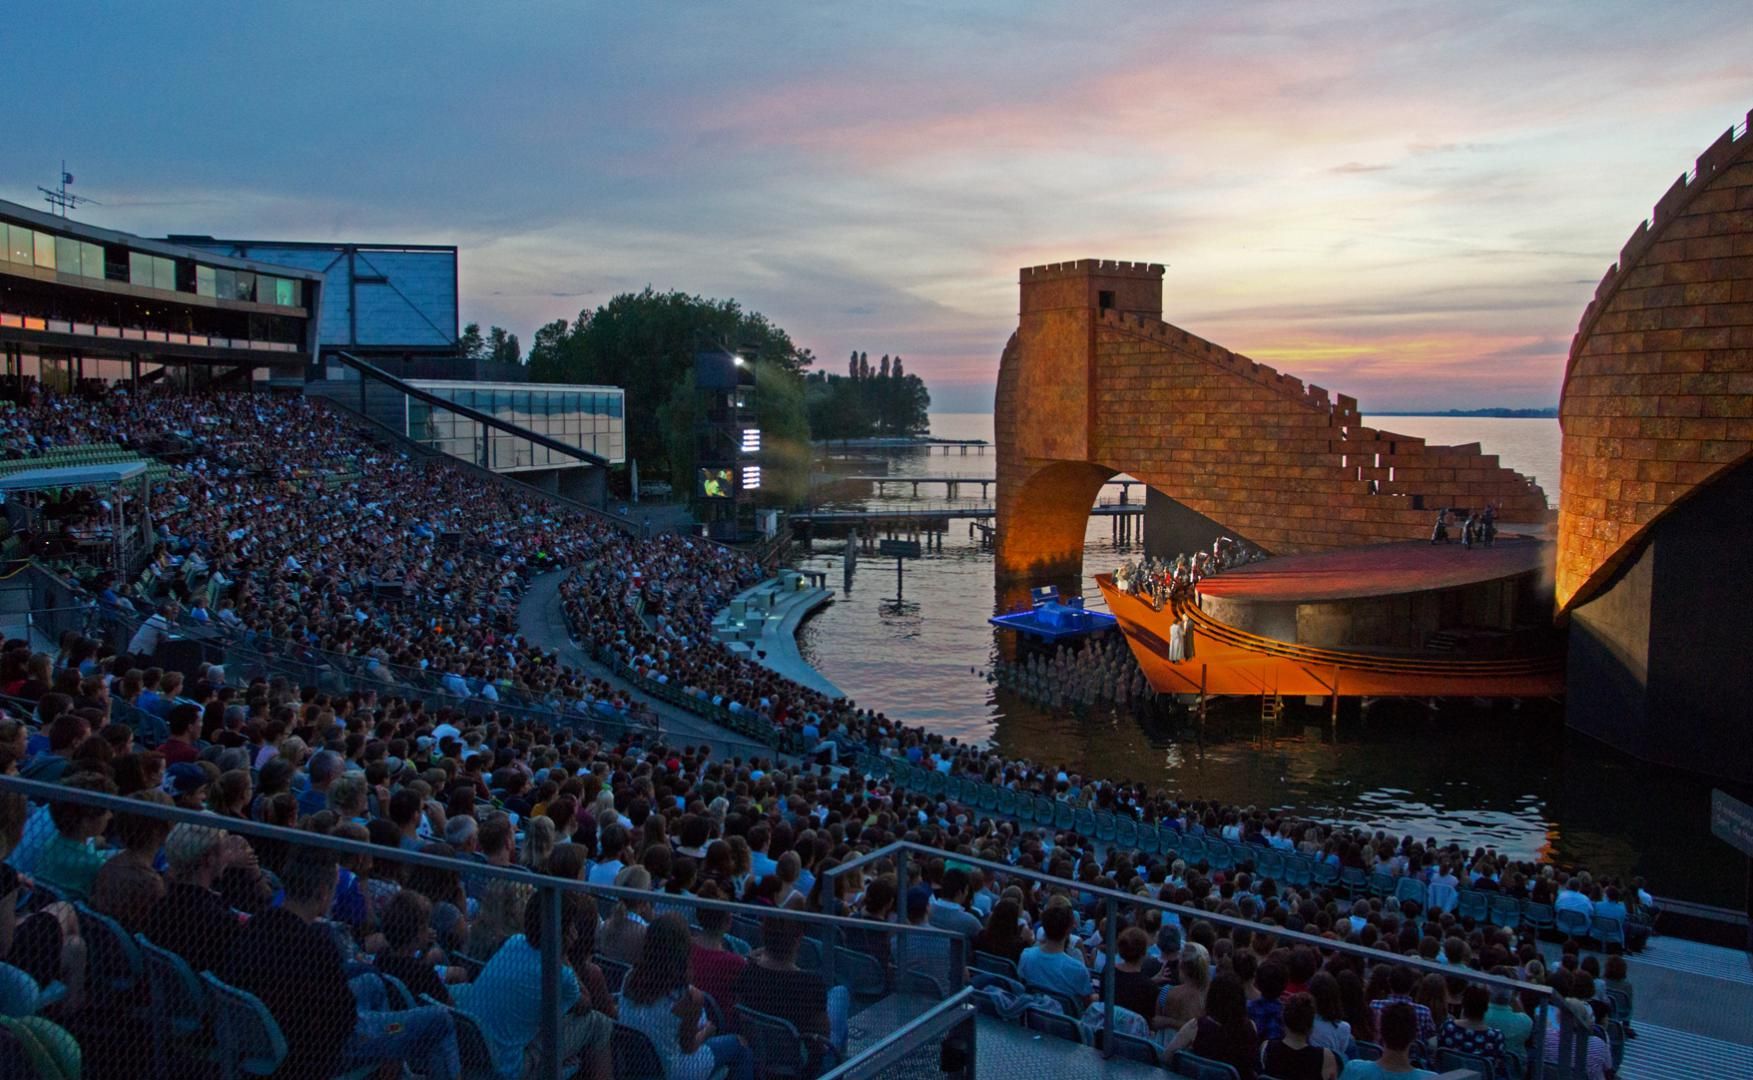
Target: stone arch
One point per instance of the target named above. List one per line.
(1043, 536)
(1093, 383)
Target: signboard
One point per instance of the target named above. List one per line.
(900, 549)
(1731, 820)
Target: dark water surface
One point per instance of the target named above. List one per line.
(1487, 774)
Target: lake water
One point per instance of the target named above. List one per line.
(1512, 777)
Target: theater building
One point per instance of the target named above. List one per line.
(80, 303)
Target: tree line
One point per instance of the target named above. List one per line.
(884, 400)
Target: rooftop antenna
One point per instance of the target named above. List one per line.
(59, 200)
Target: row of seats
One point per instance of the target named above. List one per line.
(1285, 868)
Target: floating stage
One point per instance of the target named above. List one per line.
(1052, 620)
(1387, 620)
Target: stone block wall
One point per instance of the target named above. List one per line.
(1094, 383)
(1658, 393)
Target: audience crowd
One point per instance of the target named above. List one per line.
(285, 527)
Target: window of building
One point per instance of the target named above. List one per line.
(66, 255)
(245, 285)
(205, 282)
(286, 292)
(164, 274)
(139, 268)
(225, 283)
(5, 242)
(44, 250)
(91, 259)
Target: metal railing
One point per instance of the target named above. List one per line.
(902, 852)
(547, 890)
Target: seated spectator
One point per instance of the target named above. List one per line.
(658, 1001)
(948, 907)
(1050, 965)
(1004, 933)
(773, 984)
(192, 920)
(1224, 1033)
(1330, 1030)
(1185, 1001)
(623, 933)
(291, 964)
(44, 944)
(409, 954)
(129, 886)
(1266, 1010)
(1294, 1056)
(1399, 1028)
(1133, 989)
(506, 1000)
(715, 966)
(1402, 980)
(1468, 1032)
(70, 862)
(65, 731)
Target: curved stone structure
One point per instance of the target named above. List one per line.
(1658, 481)
(1658, 393)
(1094, 383)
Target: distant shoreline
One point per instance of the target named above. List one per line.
(1483, 414)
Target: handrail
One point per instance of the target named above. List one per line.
(118, 804)
(486, 419)
(962, 1001)
(1113, 899)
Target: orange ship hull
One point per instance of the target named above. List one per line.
(1226, 660)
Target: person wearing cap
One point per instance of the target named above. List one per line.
(186, 783)
(193, 920)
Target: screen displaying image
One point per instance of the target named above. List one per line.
(716, 484)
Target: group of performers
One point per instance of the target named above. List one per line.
(1472, 528)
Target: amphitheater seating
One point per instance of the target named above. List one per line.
(780, 1050)
(1194, 1067)
(178, 1002)
(250, 1041)
(1052, 1023)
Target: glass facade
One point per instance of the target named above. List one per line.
(69, 255)
(588, 417)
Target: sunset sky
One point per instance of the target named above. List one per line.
(1409, 203)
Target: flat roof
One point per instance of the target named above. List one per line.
(36, 219)
(72, 476)
(467, 384)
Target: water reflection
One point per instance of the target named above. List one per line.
(1511, 777)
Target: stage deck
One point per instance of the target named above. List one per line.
(1378, 570)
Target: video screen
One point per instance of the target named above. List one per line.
(716, 484)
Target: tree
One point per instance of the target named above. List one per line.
(645, 343)
(896, 370)
(471, 346)
(864, 365)
(852, 369)
(545, 350)
(502, 347)
(883, 371)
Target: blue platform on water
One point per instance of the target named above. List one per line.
(1052, 620)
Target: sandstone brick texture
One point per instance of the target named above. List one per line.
(1658, 392)
(1094, 383)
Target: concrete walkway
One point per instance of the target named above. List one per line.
(761, 622)
(541, 621)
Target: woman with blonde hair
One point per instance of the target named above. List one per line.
(1185, 1001)
(623, 933)
(538, 843)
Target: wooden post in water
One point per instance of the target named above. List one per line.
(1202, 670)
(1334, 722)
